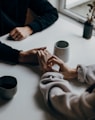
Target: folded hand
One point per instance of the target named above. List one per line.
(20, 33)
(30, 56)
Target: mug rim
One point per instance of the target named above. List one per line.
(8, 79)
(62, 41)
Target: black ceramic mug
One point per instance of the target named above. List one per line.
(8, 87)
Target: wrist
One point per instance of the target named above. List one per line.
(70, 74)
(30, 31)
(28, 57)
(74, 73)
(22, 57)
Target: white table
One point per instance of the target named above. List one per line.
(28, 103)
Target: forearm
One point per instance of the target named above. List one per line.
(42, 22)
(7, 53)
(84, 74)
(58, 97)
(70, 74)
(46, 13)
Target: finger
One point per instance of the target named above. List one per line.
(39, 57)
(48, 53)
(51, 58)
(45, 52)
(15, 35)
(55, 59)
(41, 48)
(43, 56)
(50, 65)
(18, 37)
(42, 60)
(52, 62)
(39, 54)
(12, 32)
(37, 49)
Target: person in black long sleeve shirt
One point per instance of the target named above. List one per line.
(9, 54)
(13, 15)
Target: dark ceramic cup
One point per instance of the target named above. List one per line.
(8, 87)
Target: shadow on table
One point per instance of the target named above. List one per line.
(4, 102)
(38, 98)
(41, 104)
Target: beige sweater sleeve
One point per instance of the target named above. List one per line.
(86, 74)
(61, 100)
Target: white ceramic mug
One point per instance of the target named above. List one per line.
(61, 50)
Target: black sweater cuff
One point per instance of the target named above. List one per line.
(9, 54)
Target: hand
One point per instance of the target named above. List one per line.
(20, 33)
(43, 56)
(30, 56)
(64, 69)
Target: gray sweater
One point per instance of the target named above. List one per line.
(65, 104)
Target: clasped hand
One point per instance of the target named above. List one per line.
(46, 61)
(20, 33)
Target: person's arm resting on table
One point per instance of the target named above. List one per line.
(9, 54)
(57, 93)
(46, 16)
(46, 13)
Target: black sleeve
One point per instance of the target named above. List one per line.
(8, 54)
(46, 13)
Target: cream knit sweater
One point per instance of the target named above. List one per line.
(65, 104)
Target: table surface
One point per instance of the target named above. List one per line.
(28, 102)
